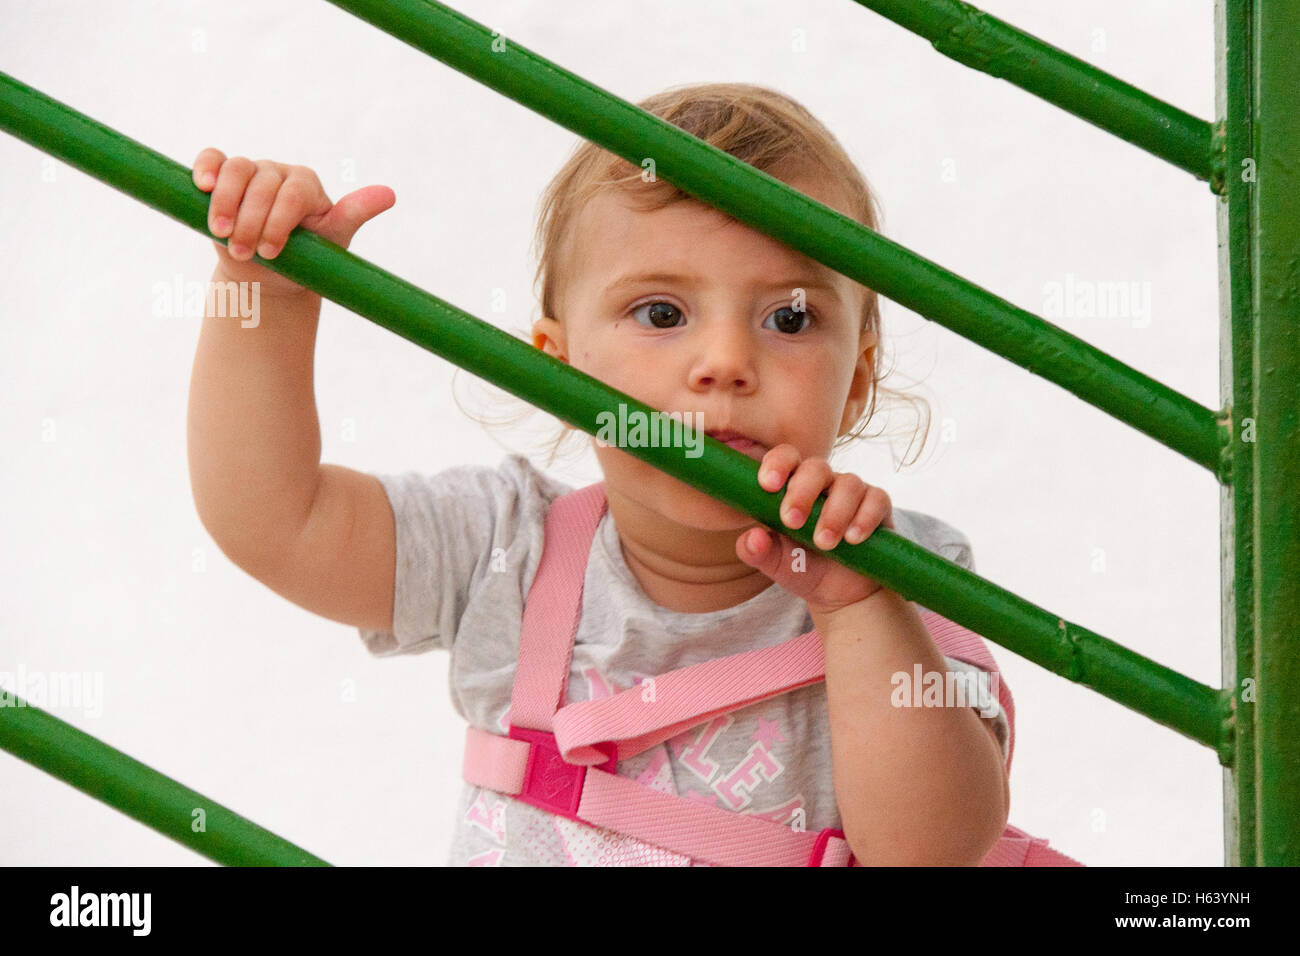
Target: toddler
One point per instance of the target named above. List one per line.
(688, 310)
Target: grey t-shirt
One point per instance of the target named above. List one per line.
(469, 540)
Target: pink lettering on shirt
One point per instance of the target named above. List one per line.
(658, 772)
(735, 787)
(768, 731)
(491, 819)
(692, 755)
(597, 687)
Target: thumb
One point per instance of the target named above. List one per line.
(784, 561)
(346, 216)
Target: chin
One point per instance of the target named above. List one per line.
(687, 505)
(666, 495)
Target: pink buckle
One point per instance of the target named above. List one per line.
(819, 848)
(550, 782)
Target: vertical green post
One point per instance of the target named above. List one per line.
(1258, 85)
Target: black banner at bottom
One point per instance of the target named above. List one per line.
(215, 904)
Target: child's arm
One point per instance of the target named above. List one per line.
(320, 535)
(916, 786)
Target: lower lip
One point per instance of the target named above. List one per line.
(745, 446)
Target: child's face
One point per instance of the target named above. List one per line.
(716, 349)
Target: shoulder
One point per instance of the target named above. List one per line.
(487, 492)
(477, 514)
(468, 541)
(935, 534)
(527, 480)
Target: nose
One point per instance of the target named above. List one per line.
(726, 358)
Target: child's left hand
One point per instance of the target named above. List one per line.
(852, 505)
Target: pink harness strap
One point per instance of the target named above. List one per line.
(552, 611)
(686, 697)
(572, 772)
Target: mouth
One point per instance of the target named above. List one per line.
(742, 443)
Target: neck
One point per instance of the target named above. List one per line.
(682, 568)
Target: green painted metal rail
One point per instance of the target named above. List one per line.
(985, 43)
(1258, 86)
(157, 801)
(1212, 717)
(823, 233)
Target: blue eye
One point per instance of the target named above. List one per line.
(661, 314)
(789, 316)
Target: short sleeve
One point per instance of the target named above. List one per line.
(453, 529)
(985, 701)
(950, 543)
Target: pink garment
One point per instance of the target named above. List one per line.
(562, 759)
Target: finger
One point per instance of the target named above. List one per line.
(774, 555)
(206, 165)
(258, 198)
(298, 198)
(231, 182)
(760, 548)
(844, 501)
(352, 211)
(807, 482)
(776, 466)
(876, 509)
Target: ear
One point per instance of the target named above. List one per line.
(548, 335)
(860, 387)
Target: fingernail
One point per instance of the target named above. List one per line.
(824, 538)
(236, 250)
(853, 535)
(220, 224)
(206, 180)
(769, 476)
(266, 250)
(794, 518)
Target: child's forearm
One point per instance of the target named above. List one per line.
(915, 785)
(253, 433)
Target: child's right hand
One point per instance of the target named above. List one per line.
(256, 205)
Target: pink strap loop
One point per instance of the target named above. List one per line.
(686, 697)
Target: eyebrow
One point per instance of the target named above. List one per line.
(690, 281)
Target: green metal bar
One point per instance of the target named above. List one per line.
(1275, 203)
(1234, 100)
(1165, 696)
(1268, 373)
(983, 42)
(139, 791)
(808, 226)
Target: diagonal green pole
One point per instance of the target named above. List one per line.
(803, 224)
(139, 791)
(1073, 652)
(983, 42)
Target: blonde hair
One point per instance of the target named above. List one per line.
(759, 126)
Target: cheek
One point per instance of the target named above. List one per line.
(626, 371)
(812, 396)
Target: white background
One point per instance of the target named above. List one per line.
(213, 679)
